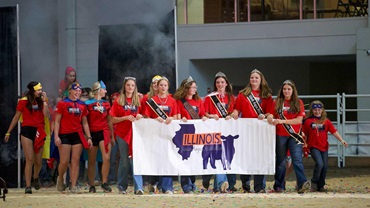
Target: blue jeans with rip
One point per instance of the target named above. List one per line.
(283, 143)
(321, 167)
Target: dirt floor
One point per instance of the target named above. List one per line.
(347, 187)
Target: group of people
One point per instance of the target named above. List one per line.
(95, 123)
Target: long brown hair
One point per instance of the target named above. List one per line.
(182, 91)
(228, 89)
(31, 96)
(265, 90)
(294, 100)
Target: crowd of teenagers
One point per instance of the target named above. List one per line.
(87, 124)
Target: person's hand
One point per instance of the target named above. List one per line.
(139, 116)
(57, 141)
(227, 118)
(204, 118)
(168, 120)
(159, 119)
(112, 141)
(344, 143)
(6, 137)
(130, 118)
(261, 116)
(184, 119)
(89, 142)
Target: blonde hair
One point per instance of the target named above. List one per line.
(94, 89)
(323, 114)
(135, 96)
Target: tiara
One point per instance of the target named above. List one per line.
(130, 78)
(220, 74)
(288, 82)
(255, 71)
(190, 79)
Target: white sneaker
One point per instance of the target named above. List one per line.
(224, 187)
(139, 192)
(168, 192)
(75, 190)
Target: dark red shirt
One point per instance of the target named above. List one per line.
(317, 133)
(72, 113)
(98, 112)
(33, 118)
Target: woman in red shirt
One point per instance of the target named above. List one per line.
(289, 113)
(101, 130)
(33, 108)
(316, 127)
(220, 104)
(125, 110)
(190, 106)
(167, 108)
(69, 128)
(254, 101)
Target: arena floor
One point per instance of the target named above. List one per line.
(347, 187)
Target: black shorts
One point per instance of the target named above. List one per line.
(29, 132)
(71, 139)
(97, 137)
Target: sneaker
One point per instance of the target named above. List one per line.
(60, 185)
(74, 190)
(322, 189)
(278, 190)
(36, 183)
(152, 188)
(232, 190)
(92, 189)
(305, 187)
(28, 190)
(246, 188)
(106, 187)
(262, 191)
(139, 192)
(224, 187)
(314, 187)
(168, 192)
(121, 191)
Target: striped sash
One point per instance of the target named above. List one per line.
(154, 106)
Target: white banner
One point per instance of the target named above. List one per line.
(195, 147)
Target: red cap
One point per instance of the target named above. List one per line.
(70, 69)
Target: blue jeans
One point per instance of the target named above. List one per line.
(231, 178)
(321, 167)
(112, 169)
(259, 182)
(124, 164)
(138, 179)
(283, 143)
(188, 183)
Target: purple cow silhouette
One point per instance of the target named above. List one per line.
(224, 152)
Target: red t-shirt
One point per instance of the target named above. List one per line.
(243, 105)
(168, 105)
(143, 104)
(196, 104)
(98, 112)
(210, 108)
(317, 133)
(123, 129)
(72, 113)
(280, 130)
(32, 118)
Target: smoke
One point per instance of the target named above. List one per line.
(139, 50)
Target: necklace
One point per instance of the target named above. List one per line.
(163, 102)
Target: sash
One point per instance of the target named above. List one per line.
(290, 129)
(256, 106)
(154, 106)
(219, 106)
(190, 109)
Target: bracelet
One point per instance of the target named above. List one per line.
(7, 134)
(89, 137)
